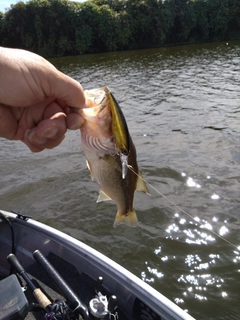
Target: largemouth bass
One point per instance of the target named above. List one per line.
(110, 151)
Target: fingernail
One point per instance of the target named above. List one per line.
(77, 124)
(49, 133)
(74, 127)
(32, 137)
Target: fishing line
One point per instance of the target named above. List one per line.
(179, 208)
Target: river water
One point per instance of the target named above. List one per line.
(182, 106)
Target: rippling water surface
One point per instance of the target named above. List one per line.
(182, 105)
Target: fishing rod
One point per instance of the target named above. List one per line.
(38, 294)
(76, 305)
(100, 307)
(55, 310)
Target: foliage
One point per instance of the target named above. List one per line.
(62, 27)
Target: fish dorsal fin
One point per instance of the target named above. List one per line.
(129, 219)
(90, 169)
(141, 185)
(103, 196)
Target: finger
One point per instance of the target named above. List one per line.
(37, 144)
(8, 123)
(48, 144)
(67, 89)
(74, 121)
(52, 128)
(48, 134)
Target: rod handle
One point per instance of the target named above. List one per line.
(76, 303)
(41, 298)
(14, 262)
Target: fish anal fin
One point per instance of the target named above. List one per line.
(90, 169)
(103, 196)
(141, 185)
(129, 219)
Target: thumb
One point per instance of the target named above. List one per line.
(67, 89)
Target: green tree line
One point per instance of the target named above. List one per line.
(62, 27)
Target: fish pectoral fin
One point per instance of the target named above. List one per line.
(129, 219)
(90, 169)
(103, 196)
(141, 185)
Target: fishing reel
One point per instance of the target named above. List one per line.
(101, 307)
(58, 310)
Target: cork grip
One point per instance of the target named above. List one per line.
(41, 298)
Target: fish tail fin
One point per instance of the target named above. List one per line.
(129, 219)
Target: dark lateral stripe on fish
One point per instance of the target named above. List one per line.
(119, 126)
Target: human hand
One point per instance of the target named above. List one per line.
(35, 100)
